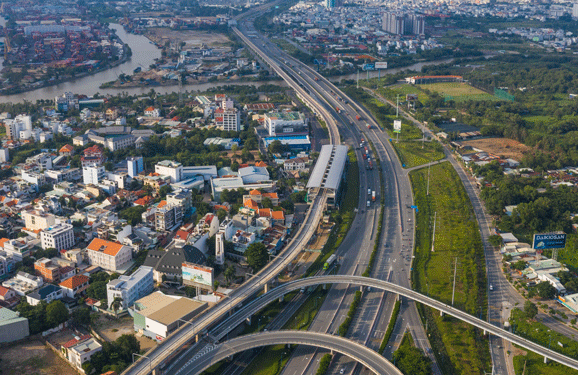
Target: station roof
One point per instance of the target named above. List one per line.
(329, 168)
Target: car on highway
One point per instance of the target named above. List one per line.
(342, 370)
(491, 287)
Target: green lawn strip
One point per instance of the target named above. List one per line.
(344, 327)
(459, 348)
(540, 334)
(411, 360)
(324, 364)
(390, 326)
(411, 154)
(343, 218)
(383, 113)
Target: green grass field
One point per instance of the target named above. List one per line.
(411, 154)
(459, 91)
(539, 333)
(461, 348)
(391, 92)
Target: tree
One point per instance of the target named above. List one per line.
(276, 147)
(495, 240)
(257, 255)
(97, 290)
(56, 313)
(266, 203)
(545, 290)
(230, 272)
(530, 310)
(221, 214)
(81, 316)
(133, 215)
(164, 190)
(519, 265)
(116, 304)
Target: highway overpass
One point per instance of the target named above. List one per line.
(256, 305)
(213, 354)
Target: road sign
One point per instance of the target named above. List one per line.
(381, 65)
(549, 241)
(397, 126)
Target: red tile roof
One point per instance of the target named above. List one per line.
(74, 341)
(3, 290)
(74, 281)
(109, 247)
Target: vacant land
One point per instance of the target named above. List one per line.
(111, 329)
(414, 153)
(461, 348)
(457, 91)
(32, 358)
(192, 38)
(503, 147)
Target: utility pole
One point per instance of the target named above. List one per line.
(397, 107)
(428, 172)
(455, 271)
(357, 78)
(433, 240)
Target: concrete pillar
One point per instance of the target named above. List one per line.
(361, 288)
(485, 333)
(266, 288)
(155, 371)
(281, 299)
(248, 320)
(441, 313)
(545, 359)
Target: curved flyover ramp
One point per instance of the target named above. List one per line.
(367, 357)
(259, 303)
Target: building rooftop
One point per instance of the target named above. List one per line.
(127, 282)
(107, 247)
(165, 309)
(329, 168)
(43, 292)
(74, 281)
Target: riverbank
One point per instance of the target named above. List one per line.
(126, 57)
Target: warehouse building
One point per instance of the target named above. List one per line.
(12, 326)
(329, 173)
(158, 315)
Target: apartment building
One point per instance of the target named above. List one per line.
(59, 237)
(170, 168)
(130, 288)
(48, 270)
(75, 285)
(168, 216)
(93, 174)
(228, 119)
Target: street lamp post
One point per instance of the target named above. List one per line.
(144, 356)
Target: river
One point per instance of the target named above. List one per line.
(143, 55)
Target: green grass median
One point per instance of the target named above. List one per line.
(459, 347)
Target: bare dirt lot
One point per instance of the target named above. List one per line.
(503, 147)
(192, 38)
(111, 329)
(33, 358)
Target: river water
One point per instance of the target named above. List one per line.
(143, 55)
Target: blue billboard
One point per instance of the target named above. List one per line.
(549, 241)
(368, 67)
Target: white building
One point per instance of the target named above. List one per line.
(108, 255)
(59, 237)
(23, 283)
(251, 174)
(4, 155)
(228, 119)
(130, 288)
(152, 112)
(92, 174)
(219, 249)
(35, 220)
(47, 293)
(135, 165)
(170, 168)
(82, 351)
(278, 123)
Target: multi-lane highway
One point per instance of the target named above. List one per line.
(371, 323)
